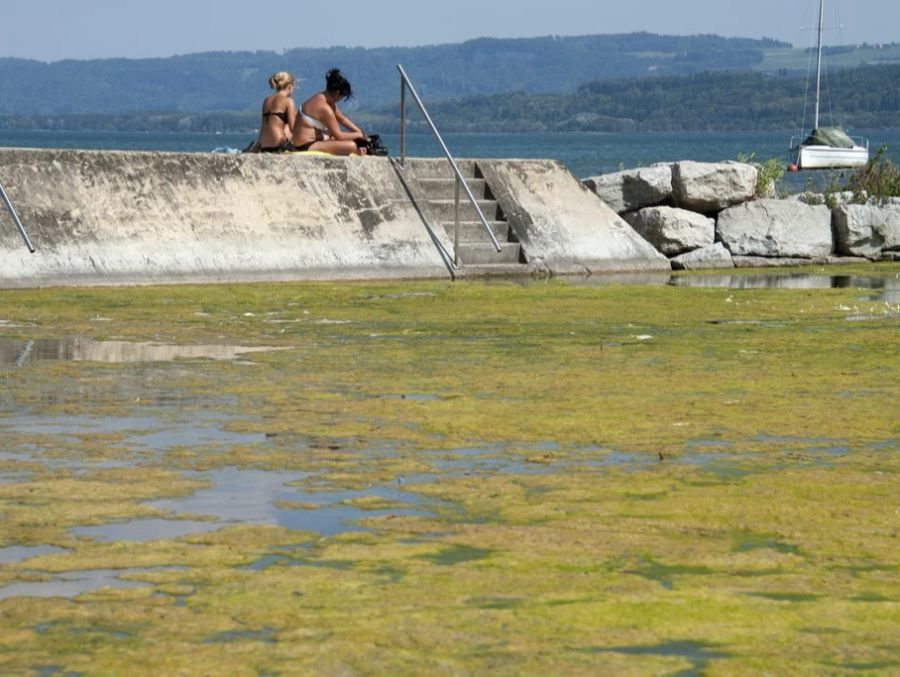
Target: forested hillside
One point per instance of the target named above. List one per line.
(862, 97)
(236, 81)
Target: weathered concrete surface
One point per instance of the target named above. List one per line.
(673, 231)
(101, 217)
(867, 230)
(128, 217)
(561, 224)
(776, 228)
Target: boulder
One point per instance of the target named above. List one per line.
(776, 228)
(711, 187)
(867, 230)
(673, 231)
(711, 256)
(633, 189)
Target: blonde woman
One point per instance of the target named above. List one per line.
(279, 115)
(321, 126)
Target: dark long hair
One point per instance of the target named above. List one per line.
(337, 83)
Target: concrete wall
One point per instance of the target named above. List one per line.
(111, 217)
(108, 217)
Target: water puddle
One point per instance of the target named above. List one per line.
(145, 529)
(142, 432)
(73, 583)
(888, 287)
(78, 349)
(19, 553)
(698, 654)
(240, 496)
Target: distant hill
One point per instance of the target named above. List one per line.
(734, 100)
(745, 100)
(236, 81)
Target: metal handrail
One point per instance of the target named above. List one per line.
(460, 180)
(12, 212)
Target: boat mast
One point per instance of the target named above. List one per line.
(819, 62)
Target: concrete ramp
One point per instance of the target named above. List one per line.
(561, 225)
(137, 217)
(109, 217)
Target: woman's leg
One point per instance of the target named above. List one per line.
(337, 147)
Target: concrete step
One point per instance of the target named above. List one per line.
(471, 253)
(473, 231)
(445, 210)
(443, 188)
(439, 168)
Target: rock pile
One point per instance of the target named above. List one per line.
(707, 215)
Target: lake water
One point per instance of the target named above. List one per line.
(584, 154)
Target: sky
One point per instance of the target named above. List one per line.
(52, 30)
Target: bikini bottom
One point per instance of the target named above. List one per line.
(283, 147)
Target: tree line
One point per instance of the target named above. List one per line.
(236, 81)
(747, 101)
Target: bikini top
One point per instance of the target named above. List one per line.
(278, 114)
(313, 122)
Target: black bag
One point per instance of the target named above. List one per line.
(373, 145)
(376, 146)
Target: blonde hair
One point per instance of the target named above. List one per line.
(281, 80)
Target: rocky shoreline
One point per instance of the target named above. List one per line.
(709, 215)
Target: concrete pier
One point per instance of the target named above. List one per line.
(111, 217)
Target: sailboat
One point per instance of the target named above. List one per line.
(827, 147)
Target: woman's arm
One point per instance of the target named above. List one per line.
(348, 123)
(329, 119)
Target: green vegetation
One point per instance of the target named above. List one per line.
(611, 479)
(602, 83)
(879, 179)
(770, 173)
(865, 97)
(236, 81)
(798, 60)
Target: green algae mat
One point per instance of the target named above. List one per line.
(558, 477)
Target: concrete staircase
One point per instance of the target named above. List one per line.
(477, 254)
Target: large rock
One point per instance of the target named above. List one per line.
(634, 188)
(712, 256)
(776, 228)
(711, 187)
(673, 231)
(867, 230)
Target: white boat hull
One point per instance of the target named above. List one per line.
(825, 157)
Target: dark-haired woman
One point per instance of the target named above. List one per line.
(279, 114)
(321, 126)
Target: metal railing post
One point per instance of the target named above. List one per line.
(12, 212)
(459, 177)
(402, 122)
(456, 230)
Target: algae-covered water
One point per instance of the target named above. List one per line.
(566, 477)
